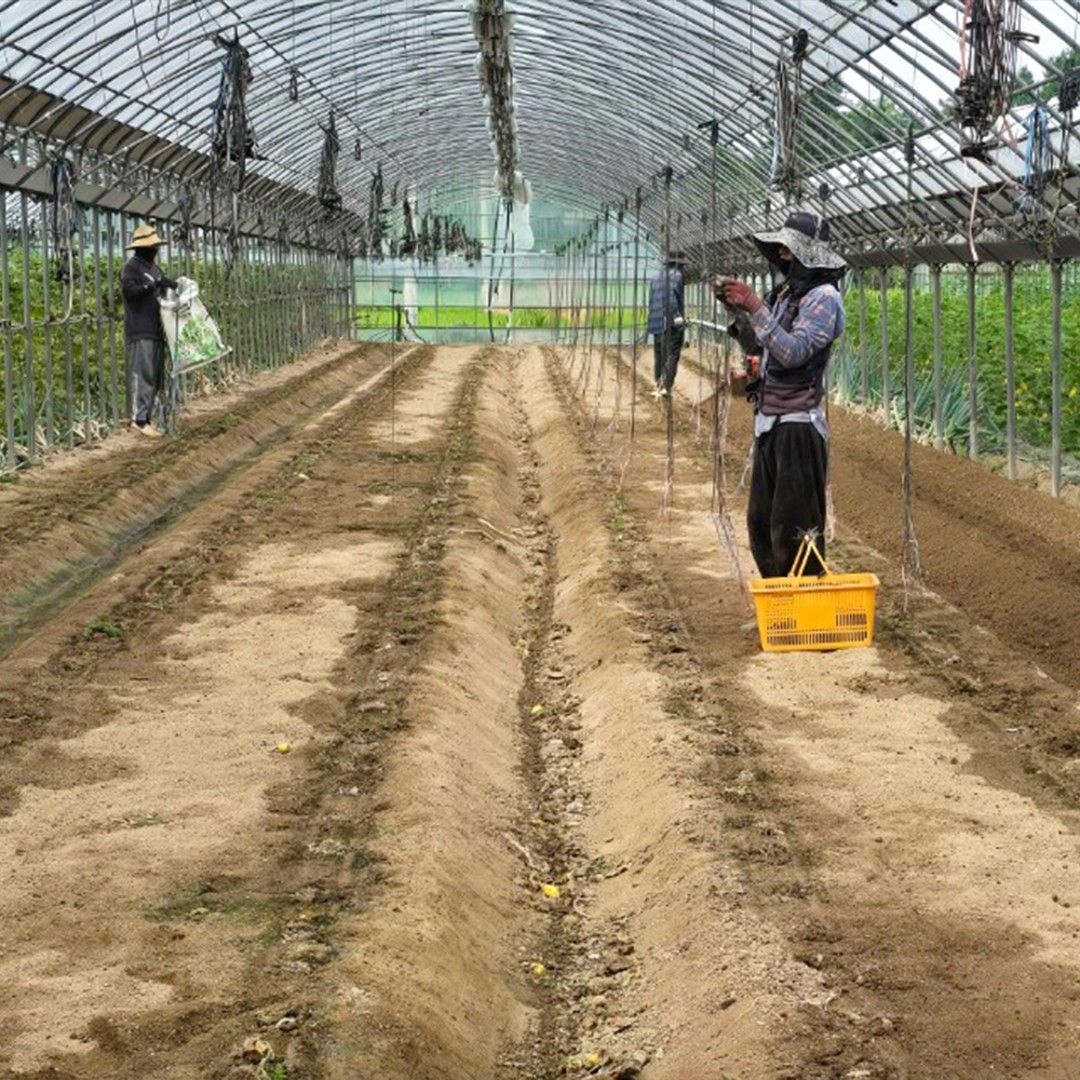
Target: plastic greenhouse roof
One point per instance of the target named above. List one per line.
(607, 94)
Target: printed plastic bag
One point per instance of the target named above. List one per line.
(193, 337)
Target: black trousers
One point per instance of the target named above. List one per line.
(667, 347)
(145, 373)
(787, 496)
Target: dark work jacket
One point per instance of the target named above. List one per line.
(140, 284)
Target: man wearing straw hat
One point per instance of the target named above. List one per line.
(795, 327)
(141, 282)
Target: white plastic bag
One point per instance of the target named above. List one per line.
(193, 337)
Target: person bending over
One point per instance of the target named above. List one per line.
(795, 327)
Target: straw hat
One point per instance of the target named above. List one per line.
(145, 236)
(806, 235)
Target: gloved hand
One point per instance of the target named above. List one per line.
(737, 294)
(678, 322)
(168, 282)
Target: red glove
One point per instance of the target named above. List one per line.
(737, 294)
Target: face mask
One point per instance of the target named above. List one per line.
(149, 254)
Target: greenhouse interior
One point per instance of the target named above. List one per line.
(458, 688)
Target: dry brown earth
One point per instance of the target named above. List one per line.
(545, 811)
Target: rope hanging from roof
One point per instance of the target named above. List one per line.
(1038, 169)
(989, 35)
(376, 215)
(329, 196)
(492, 25)
(785, 174)
(65, 219)
(408, 235)
(910, 558)
(232, 139)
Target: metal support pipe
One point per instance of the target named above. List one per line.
(1008, 274)
(30, 403)
(1055, 371)
(939, 394)
(973, 369)
(864, 362)
(886, 390)
(5, 313)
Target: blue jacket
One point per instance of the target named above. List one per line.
(661, 314)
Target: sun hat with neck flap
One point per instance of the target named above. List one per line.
(806, 235)
(145, 236)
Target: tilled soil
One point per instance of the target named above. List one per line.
(428, 742)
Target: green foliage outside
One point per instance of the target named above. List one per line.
(429, 317)
(79, 396)
(1062, 62)
(1032, 334)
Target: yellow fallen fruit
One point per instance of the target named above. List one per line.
(552, 892)
(592, 1059)
(539, 970)
(283, 747)
(536, 710)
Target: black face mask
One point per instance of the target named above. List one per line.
(147, 254)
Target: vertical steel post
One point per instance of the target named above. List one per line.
(112, 316)
(1055, 370)
(864, 361)
(47, 347)
(1008, 272)
(5, 314)
(886, 389)
(69, 361)
(939, 400)
(99, 321)
(84, 334)
(973, 370)
(30, 404)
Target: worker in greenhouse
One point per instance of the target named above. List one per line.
(794, 328)
(142, 282)
(667, 323)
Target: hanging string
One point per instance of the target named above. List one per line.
(785, 173)
(602, 374)
(1038, 170)
(65, 216)
(617, 411)
(989, 35)
(329, 196)
(911, 561)
(669, 412)
(637, 302)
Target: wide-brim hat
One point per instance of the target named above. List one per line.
(806, 235)
(145, 236)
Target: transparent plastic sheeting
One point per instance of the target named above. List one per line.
(607, 94)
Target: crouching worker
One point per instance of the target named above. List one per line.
(667, 323)
(795, 327)
(142, 282)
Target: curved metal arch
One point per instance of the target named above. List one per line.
(570, 97)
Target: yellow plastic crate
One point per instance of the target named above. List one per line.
(802, 614)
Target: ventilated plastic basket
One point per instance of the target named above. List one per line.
(833, 611)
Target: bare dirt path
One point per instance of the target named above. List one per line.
(149, 838)
(899, 817)
(64, 524)
(429, 744)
